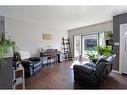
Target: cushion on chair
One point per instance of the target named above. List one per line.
(84, 68)
(26, 61)
(109, 59)
(101, 60)
(34, 59)
(33, 64)
(36, 64)
(100, 68)
(92, 65)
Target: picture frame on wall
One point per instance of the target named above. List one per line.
(47, 36)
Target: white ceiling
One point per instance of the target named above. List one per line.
(63, 17)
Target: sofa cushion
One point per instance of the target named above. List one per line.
(100, 68)
(109, 59)
(34, 59)
(26, 62)
(83, 68)
(92, 65)
(33, 64)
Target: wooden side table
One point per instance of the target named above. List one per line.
(19, 77)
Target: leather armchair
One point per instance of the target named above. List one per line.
(87, 76)
(91, 75)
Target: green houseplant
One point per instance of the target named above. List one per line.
(108, 35)
(106, 51)
(90, 55)
(5, 46)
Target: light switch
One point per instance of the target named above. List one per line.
(116, 43)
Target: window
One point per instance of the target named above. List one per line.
(85, 43)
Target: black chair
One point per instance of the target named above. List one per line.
(91, 75)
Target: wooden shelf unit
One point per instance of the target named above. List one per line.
(66, 49)
(19, 77)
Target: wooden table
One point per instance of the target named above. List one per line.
(45, 54)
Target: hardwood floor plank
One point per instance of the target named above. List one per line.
(60, 76)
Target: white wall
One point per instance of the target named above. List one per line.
(28, 35)
(91, 29)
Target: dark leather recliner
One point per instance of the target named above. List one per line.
(108, 69)
(91, 75)
(31, 65)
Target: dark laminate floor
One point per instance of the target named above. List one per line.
(115, 81)
(60, 76)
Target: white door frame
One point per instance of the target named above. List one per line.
(122, 47)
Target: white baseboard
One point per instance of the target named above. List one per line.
(115, 71)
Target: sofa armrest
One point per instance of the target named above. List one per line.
(83, 68)
(26, 62)
(27, 67)
(34, 58)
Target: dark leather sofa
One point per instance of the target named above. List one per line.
(31, 65)
(91, 75)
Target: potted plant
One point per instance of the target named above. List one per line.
(6, 47)
(6, 62)
(105, 51)
(108, 35)
(90, 55)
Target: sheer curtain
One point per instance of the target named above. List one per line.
(101, 39)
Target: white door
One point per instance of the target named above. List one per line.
(123, 48)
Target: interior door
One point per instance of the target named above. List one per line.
(123, 48)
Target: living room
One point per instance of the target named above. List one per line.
(39, 35)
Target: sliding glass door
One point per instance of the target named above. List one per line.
(89, 43)
(85, 43)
